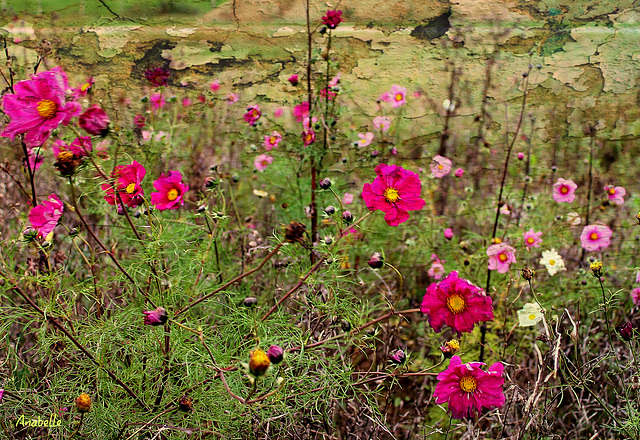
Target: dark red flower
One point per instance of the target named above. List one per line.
(158, 76)
(95, 121)
(332, 19)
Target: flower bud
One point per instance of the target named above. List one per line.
(185, 404)
(376, 261)
(450, 348)
(626, 331)
(155, 317)
(328, 240)
(528, 273)
(596, 269)
(95, 121)
(330, 210)
(83, 403)
(294, 232)
(29, 234)
(275, 353)
(259, 362)
(347, 217)
(250, 301)
(397, 357)
(325, 183)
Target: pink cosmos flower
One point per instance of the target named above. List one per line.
(232, 98)
(332, 19)
(328, 94)
(128, 179)
(394, 151)
(436, 271)
(365, 139)
(272, 140)
(532, 239)
(293, 79)
(170, 191)
(638, 276)
(467, 388)
(564, 190)
(262, 162)
(307, 123)
(139, 120)
(440, 166)
(635, 295)
(335, 80)
(278, 112)
(157, 101)
(186, 102)
(616, 194)
(448, 233)
(301, 111)
(84, 88)
(520, 156)
(397, 96)
(308, 137)
(252, 115)
(38, 106)
(347, 199)
(459, 172)
(215, 85)
(44, 217)
(595, 237)
(395, 191)
(456, 302)
(95, 121)
(381, 123)
(501, 255)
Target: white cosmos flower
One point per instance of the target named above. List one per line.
(529, 315)
(552, 261)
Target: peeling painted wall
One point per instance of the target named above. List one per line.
(584, 55)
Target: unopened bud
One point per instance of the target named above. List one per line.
(376, 261)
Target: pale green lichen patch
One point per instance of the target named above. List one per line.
(112, 38)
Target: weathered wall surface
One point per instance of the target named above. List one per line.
(584, 55)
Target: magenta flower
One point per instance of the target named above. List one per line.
(170, 191)
(332, 19)
(468, 389)
(293, 79)
(139, 120)
(301, 111)
(327, 94)
(595, 237)
(84, 88)
(395, 191)
(158, 76)
(457, 303)
(308, 137)
(532, 239)
(262, 162)
(38, 106)
(615, 193)
(278, 112)
(155, 317)
(436, 271)
(215, 85)
(347, 199)
(272, 140)
(440, 166)
(335, 80)
(459, 172)
(157, 101)
(128, 179)
(232, 98)
(365, 139)
(397, 96)
(501, 255)
(44, 217)
(564, 190)
(252, 115)
(275, 353)
(381, 123)
(80, 147)
(95, 121)
(520, 156)
(635, 295)
(448, 233)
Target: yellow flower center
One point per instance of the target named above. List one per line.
(612, 191)
(468, 384)
(564, 189)
(399, 97)
(532, 317)
(593, 236)
(255, 113)
(85, 87)
(497, 240)
(503, 257)
(552, 262)
(64, 156)
(172, 194)
(392, 195)
(456, 304)
(130, 188)
(47, 109)
(273, 140)
(440, 166)
(530, 240)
